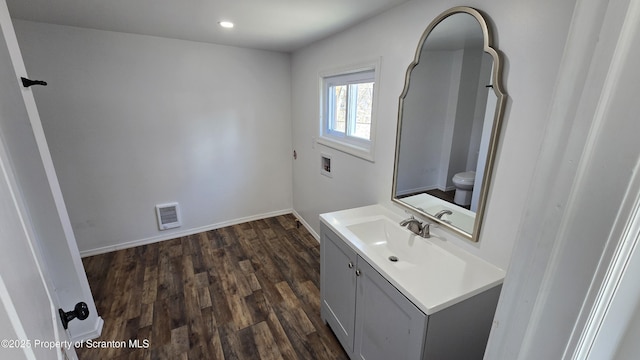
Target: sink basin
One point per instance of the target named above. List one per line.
(432, 273)
(387, 238)
(380, 232)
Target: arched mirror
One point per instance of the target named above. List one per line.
(448, 122)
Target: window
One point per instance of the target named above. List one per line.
(348, 103)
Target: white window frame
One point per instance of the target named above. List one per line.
(355, 146)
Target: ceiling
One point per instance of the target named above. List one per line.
(279, 25)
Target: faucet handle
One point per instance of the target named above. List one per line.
(424, 232)
(415, 227)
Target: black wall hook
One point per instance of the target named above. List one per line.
(28, 82)
(81, 311)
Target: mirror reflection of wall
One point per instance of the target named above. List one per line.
(483, 148)
(444, 111)
(449, 119)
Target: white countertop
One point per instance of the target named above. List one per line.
(444, 273)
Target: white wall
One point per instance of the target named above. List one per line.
(133, 121)
(479, 114)
(424, 119)
(465, 112)
(441, 136)
(531, 35)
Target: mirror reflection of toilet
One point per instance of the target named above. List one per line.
(463, 182)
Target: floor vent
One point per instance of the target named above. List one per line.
(168, 216)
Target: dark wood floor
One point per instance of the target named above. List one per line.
(443, 195)
(249, 291)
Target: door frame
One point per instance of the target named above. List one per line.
(575, 217)
(79, 289)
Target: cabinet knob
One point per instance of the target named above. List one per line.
(358, 272)
(350, 265)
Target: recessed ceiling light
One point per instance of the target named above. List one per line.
(226, 24)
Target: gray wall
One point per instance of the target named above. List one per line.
(425, 115)
(133, 121)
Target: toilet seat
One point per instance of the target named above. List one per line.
(467, 177)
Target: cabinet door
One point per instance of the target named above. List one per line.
(388, 325)
(338, 287)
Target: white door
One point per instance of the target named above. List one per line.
(32, 186)
(582, 211)
(29, 327)
(613, 327)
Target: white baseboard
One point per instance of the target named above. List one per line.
(306, 225)
(173, 235)
(93, 334)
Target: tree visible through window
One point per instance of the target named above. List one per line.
(364, 99)
(348, 108)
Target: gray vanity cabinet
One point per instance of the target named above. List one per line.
(370, 317)
(373, 320)
(338, 287)
(388, 326)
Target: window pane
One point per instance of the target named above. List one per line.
(339, 120)
(347, 122)
(364, 101)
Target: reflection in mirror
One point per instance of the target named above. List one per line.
(448, 123)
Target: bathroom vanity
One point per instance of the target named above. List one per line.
(389, 294)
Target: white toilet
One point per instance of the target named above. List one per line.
(464, 187)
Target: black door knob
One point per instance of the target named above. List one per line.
(80, 311)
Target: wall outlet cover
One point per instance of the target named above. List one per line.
(325, 165)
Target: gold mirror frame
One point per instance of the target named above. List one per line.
(496, 82)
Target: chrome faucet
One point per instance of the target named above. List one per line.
(441, 213)
(415, 226)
